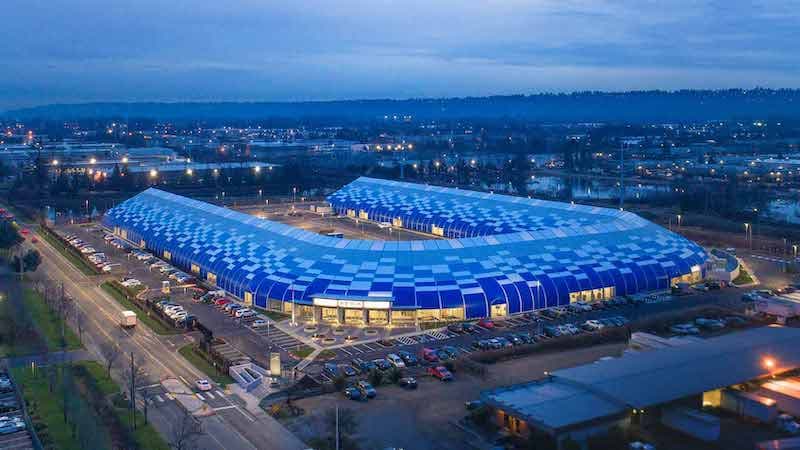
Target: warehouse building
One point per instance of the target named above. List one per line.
(667, 386)
(497, 255)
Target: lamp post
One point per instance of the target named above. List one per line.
(679, 221)
(748, 235)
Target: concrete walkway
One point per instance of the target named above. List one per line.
(49, 358)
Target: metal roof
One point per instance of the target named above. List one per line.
(648, 378)
(570, 397)
(552, 404)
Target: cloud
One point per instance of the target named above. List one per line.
(82, 50)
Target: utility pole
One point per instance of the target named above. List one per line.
(337, 426)
(133, 394)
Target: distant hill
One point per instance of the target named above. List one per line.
(638, 106)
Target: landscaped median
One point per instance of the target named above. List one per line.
(127, 299)
(47, 322)
(69, 252)
(195, 356)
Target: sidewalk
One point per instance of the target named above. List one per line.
(49, 358)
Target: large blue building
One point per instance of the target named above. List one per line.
(498, 254)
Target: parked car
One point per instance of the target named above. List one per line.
(408, 358)
(486, 323)
(352, 393)
(203, 385)
(455, 328)
(258, 323)
(396, 360)
(331, 370)
(472, 405)
(787, 424)
(364, 366)
(382, 364)
(440, 372)
(430, 355)
(366, 389)
(407, 383)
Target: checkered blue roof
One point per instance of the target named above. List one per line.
(463, 213)
(525, 269)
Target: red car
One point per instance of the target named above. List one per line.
(430, 355)
(25, 231)
(220, 302)
(440, 372)
(34, 240)
(486, 323)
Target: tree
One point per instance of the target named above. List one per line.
(375, 377)
(9, 237)
(28, 263)
(185, 432)
(110, 353)
(394, 375)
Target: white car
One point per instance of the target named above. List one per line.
(86, 250)
(131, 282)
(239, 312)
(396, 360)
(203, 385)
(10, 425)
(259, 323)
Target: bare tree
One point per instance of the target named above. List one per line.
(110, 353)
(185, 433)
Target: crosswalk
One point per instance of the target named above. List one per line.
(770, 259)
(278, 338)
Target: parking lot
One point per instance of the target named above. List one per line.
(256, 342)
(535, 326)
(13, 428)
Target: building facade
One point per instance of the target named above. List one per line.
(498, 255)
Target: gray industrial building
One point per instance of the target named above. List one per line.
(643, 388)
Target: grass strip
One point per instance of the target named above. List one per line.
(47, 407)
(193, 355)
(48, 323)
(145, 436)
(115, 291)
(743, 278)
(74, 256)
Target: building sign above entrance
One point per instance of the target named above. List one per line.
(358, 304)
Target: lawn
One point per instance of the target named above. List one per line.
(193, 356)
(302, 352)
(743, 278)
(152, 322)
(48, 324)
(47, 408)
(70, 253)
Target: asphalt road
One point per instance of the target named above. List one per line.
(231, 428)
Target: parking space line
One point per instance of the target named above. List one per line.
(345, 350)
(220, 393)
(208, 394)
(199, 396)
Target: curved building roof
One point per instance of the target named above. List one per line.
(525, 253)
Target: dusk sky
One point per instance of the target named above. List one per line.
(57, 51)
